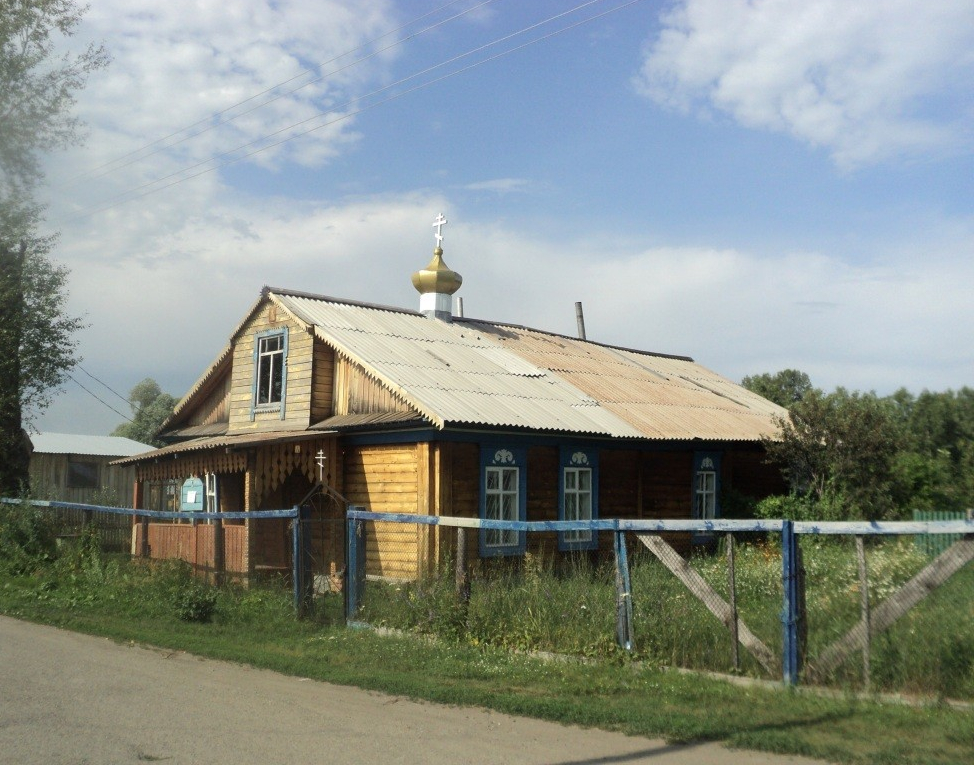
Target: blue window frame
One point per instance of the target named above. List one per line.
(705, 490)
(578, 496)
(503, 497)
(269, 389)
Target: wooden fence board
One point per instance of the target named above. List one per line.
(709, 597)
(952, 560)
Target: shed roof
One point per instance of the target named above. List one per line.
(95, 446)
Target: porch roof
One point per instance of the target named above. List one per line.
(226, 442)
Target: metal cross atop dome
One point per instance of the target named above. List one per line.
(438, 224)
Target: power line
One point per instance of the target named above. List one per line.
(94, 172)
(123, 416)
(103, 383)
(147, 188)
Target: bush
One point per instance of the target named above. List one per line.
(189, 598)
(27, 538)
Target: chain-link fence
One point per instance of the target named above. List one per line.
(769, 599)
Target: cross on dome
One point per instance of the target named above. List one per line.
(438, 224)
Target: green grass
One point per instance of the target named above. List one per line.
(569, 607)
(141, 603)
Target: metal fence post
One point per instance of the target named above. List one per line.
(789, 611)
(624, 636)
(354, 566)
(297, 562)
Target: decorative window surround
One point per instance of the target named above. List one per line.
(503, 497)
(269, 389)
(578, 496)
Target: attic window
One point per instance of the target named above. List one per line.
(270, 371)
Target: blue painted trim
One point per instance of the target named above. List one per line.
(266, 408)
(501, 455)
(566, 454)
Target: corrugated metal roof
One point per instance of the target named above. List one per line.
(496, 375)
(663, 397)
(95, 446)
(244, 439)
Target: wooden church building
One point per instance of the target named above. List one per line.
(427, 412)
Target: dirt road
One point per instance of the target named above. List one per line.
(70, 698)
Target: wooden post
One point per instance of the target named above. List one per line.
(462, 575)
(714, 603)
(219, 553)
(732, 592)
(864, 607)
(952, 560)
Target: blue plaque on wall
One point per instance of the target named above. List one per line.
(191, 497)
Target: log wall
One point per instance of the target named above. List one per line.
(385, 479)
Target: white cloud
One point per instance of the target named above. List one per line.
(182, 63)
(166, 311)
(864, 80)
(500, 185)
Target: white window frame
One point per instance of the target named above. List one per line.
(266, 381)
(705, 495)
(578, 503)
(496, 539)
(212, 504)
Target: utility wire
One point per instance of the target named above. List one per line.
(147, 188)
(102, 401)
(137, 155)
(103, 383)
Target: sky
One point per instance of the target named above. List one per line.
(761, 185)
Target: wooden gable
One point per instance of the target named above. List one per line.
(295, 411)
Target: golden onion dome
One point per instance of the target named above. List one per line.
(437, 277)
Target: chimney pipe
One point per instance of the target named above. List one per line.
(460, 307)
(580, 319)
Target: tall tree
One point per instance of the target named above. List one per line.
(839, 449)
(784, 388)
(150, 408)
(37, 90)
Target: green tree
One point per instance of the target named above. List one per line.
(838, 450)
(37, 91)
(936, 469)
(150, 408)
(784, 388)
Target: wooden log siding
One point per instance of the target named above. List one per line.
(49, 478)
(215, 407)
(322, 381)
(385, 479)
(297, 395)
(356, 392)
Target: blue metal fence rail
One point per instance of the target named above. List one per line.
(790, 564)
